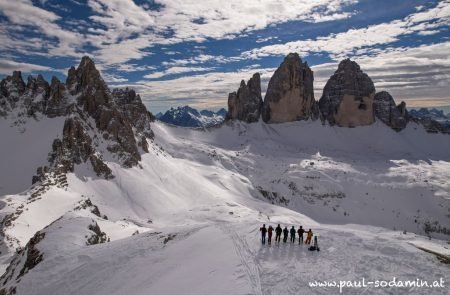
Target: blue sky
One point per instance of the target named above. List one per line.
(178, 52)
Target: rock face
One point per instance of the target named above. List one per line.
(131, 106)
(290, 94)
(347, 98)
(58, 102)
(394, 116)
(245, 104)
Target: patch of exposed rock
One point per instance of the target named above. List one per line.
(395, 116)
(347, 98)
(76, 147)
(245, 104)
(25, 260)
(290, 93)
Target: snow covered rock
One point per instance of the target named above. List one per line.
(70, 232)
(347, 98)
(433, 120)
(96, 125)
(189, 117)
(394, 116)
(290, 93)
(245, 104)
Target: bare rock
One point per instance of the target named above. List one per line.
(131, 106)
(394, 116)
(76, 147)
(347, 98)
(245, 104)
(58, 103)
(290, 94)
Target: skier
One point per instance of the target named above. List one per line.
(270, 230)
(309, 237)
(285, 234)
(263, 230)
(300, 232)
(292, 234)
(278, 232)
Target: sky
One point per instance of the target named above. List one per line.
(194, 52)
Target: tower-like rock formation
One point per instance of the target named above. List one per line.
(347, 98)
(290, 93)
(245, 104)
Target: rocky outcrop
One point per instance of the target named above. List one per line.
(11, 89)
(58, 103)
(347, 98)
(24, 261)
(394, 116)
(94, 98)
(131, 106)
(290, 93)
(13, 86)
(245, 104)
(38, 88)
(76, 147)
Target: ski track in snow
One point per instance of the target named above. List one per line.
(248, 259)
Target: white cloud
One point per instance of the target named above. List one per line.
(8, 66)
(176, 70)
(346, 43)
(418, 73)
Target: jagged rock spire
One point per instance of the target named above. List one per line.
(245, 104)
(394, 116)
(290, 93)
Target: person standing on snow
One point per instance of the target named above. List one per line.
(285, 234)
(292, 234)
(263, 231)
(278, 232)
(269, 231)
(309, 237)
(300, 232)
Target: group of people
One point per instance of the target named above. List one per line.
(278, 231)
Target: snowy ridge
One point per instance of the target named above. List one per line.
(186, 219)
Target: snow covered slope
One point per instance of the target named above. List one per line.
(186, 219)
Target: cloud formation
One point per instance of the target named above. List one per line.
(352, 41)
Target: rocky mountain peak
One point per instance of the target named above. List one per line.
(38, 85)
(290, 93)
(13, 86)
(348, 65)
(347, 98)
(245, 104)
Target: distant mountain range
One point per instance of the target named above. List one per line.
(190, 117)
(431, 114)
